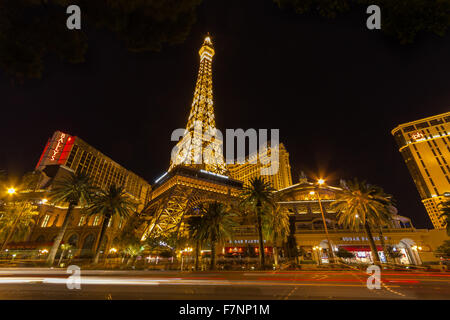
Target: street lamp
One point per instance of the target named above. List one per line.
(317, 249)
(11, 191)
(330, 249)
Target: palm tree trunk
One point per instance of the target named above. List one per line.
(275, 250)
(197, 249)
(383, 245)
(213, 256)
(60, 236)
(102, 238)
(373, 247)
(61, 257)
(262, 259)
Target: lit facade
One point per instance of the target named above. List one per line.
(256, 162)
(64, 153)
(415, 245)
(425, 147)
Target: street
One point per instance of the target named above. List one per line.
(40, 283)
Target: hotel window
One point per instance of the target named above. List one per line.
(81, 222)
(45, 222)
(120, 223)
(435, 122)
(96, 220)
(71, 156)
(422, 125)
(110, 222)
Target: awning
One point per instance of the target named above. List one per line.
(360, 248)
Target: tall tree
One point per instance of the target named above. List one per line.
(31, 31)
(256, 195)
(403, 20)
(16, 220)
(197, 230)
(219, 223)
(361, 204)
(21, 208)
(443, 251)
(109, 203)
(276, 227)
(445, 214)
(73, 190)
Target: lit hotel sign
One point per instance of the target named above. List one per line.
(417, 136)
(58, 147)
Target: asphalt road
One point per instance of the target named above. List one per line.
(23, 284)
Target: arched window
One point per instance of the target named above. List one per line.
(88, 242)
(73, 240)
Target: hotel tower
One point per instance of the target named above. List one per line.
(425, 146)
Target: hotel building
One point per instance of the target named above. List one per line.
(425, 147)
(64, 153)
(278, 174)
(414, 245)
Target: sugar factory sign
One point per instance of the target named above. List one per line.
(361, 238)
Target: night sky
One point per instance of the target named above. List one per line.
(334, 89)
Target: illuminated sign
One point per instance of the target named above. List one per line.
(417, 135)
(58, 147)
(56, 150)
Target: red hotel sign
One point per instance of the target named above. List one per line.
(57, 149)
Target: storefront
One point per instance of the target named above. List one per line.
(363, 254)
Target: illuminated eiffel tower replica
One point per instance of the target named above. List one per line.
(197, 172)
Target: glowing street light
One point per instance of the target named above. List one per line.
(44, 201)
(320, 181)
(112, 250)
(11, 191)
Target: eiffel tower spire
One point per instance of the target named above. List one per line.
(200, 148)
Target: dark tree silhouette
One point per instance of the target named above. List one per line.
(403, 19)
(33, 30)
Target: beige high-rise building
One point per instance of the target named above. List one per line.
(279, 176)
(425, 146)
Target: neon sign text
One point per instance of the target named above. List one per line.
(58, 146)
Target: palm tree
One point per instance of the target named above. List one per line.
(218, 227)
(16, 220)
(196, 231)
(20, 207)
(255, 196)
(276, 226)
(112, 202)
(445, 209)
(74, 190)
(363, 204)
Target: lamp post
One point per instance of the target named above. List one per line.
(330, 249)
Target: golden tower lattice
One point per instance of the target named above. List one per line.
(190, 182)
(201, 146)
